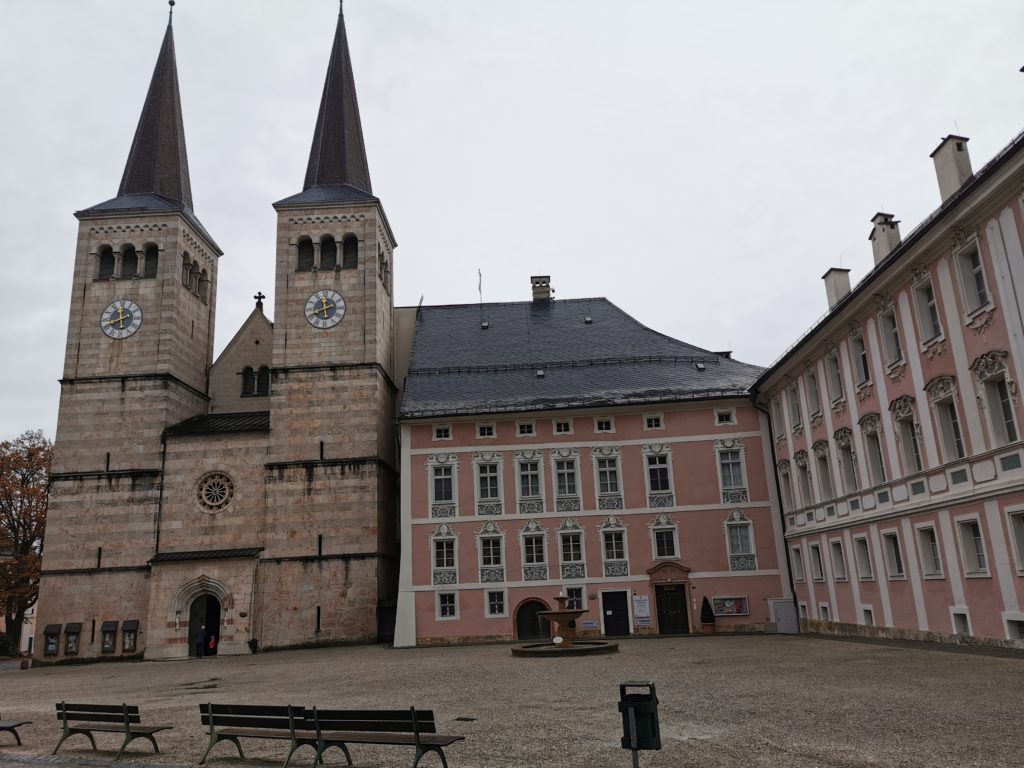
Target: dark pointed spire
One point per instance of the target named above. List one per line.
(338, 155)
(157, 161)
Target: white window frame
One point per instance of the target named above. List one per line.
(817, 564)
(569, 527)
(659, 498)
(484, 425)
(784, 470)
(930, 552)
(952, 441)
(867, 615)
(910, 445)
(534, 529)
(847, 465)
(929, 325)
(598, 420)
(729, 415)
(793, 398)
(823, 612)
(566, 502)
(483, 505)
(444, 532)
(892, 342)
(974, 301)
(813, 393)
(892, 551)
(823, 462)
(530, 427)
(504, 603)
(664, 524)
(861, 359)
(837, 553)
(778, 420)
(437, 605)
(607, 453)
(803, 478)
(796, 561)
(975, 564)
(737, 520)
(571, 602)
(613, 525)
(529, 504)
(648, 417)
(732, 494)
(862, 558)
(557, 424)
(441, 432)
(960, 610)
(1015, 524)
(490, 531)
(993, 380)
(434, 461)
(834, 376)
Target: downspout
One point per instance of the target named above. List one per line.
(778, 495)
(160, 499)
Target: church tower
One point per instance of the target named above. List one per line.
(139, 346)
(332, 456)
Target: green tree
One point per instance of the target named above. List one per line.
(24, 489)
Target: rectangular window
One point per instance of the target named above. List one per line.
(891, 338)
(869, 617)
(1017, 531)
(533, 550)
(529, 479)
(444, 553)
(446, 607)
(838, 561)
(128, 641)
(653, 421)
(804, 478)
(911, 445)
(485, 430)
(794, 406)
(778, 425)
(563, 427)
(817, 572)
(525, 428)
(665, 542)
(108, 641)
(848, 469)
(960, 624)
(927, 311)
(863, 553)
(572, 548)
(608, 476)
(614, 545)
(893, 555)
(443, 489)
(835, 378)
(731, 464)
(71, 643)
(931, 560)
(860, 360)
(973, 546)
(786, 484)
(972, 276)
(604, 425)
(740, 542)
(495, 603)
(442, 432)
(876, 461)
(488, 476)
(1000, 407)
(565, 473)
(657, 473)
(490, 550)
(949, 427)
(823, 611)
(797, 561)
(575, 595)
(825, 477)
(813, 396)
(723, 418)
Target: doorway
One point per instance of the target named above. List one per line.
(204, 611)
(615, 612)
(530, 626)
(671, 602)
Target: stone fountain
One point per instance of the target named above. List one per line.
(564, 642)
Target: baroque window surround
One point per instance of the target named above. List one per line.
(844, 440)
(530, 505)
(572, 569)
(664, 524)
(568, 502)
(443, 508)
(734, 494)
(902, 410)
(871, 427)
(980, 296)
(659, 498)
(614, 566)
(444, 574)
(534, 571)
(611, 499)
(740, 561)
(491, 573)
(991, 369)
(942, 392)
(805, 478)
(489, 506)
(823, 453)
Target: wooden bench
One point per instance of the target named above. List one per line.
(13, 726)
(400, 727)
(231, 722)
(105, 718)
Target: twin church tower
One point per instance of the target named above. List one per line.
(254, 494)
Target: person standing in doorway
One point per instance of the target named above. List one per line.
(200, 641)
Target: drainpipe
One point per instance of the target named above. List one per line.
(160, 499)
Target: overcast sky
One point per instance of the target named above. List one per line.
(699, 164)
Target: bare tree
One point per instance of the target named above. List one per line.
(24, 488)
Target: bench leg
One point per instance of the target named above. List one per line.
(422, 752)
(321, 749)
(65, 736)
(16, 736)
(215, 739)
(295, 748)
(131, 737)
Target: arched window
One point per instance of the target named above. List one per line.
(350, 253)
(193, 278)
(248, 381)
(129, 261)
(263, 382)
(305, 255)
(186, 269)
(106, 263)
(152, 261)
(204, 287)
(328, 253)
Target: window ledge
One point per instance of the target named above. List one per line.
(865, 578)
(980, 310)
(898, 577)
(978, 575)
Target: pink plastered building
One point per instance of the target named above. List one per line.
(562, 447)
(896, 423)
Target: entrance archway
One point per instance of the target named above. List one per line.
(530, 626)
(204, 612)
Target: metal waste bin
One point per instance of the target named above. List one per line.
(640, 728)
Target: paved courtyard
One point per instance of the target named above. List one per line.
(725, 701)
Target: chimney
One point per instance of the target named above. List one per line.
(885, 235)
(541, 287)
(952, 164)
(837, 285)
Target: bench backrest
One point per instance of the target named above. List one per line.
(374, 720)
(252, 716)
(98, 713)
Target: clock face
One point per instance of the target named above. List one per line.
(325, 309)
(121, 319)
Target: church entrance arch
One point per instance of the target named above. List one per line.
(530, 626)
(204, 613)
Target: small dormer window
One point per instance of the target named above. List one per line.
(563, 427)
(442, 432)
(604, 424)
(525, 429)
(485, 430)
(653, 421)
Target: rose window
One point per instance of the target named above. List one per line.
(215, 491)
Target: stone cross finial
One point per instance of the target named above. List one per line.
(259, 300)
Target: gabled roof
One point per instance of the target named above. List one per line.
(338, 155)
(460, 367)
(221, 423)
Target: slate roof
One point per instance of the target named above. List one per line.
(221, 423)
(148, 201)
(206, 554)
(458, 367)
(327, 193)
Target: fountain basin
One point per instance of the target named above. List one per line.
(577, 648)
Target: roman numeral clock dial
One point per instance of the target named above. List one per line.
(325, 309)
(121, 319)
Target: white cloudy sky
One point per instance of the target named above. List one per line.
(700, 164)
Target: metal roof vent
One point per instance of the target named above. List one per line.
(540, 373)
(484, 325)
(588, 319)
(700, 366)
